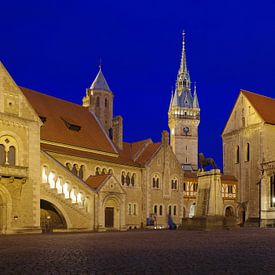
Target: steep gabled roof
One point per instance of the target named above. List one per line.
(100, 83)
(148, 153)
(68, 123)
(96, 181)
(265, 106)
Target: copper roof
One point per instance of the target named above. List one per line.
(96, 181)
(265, 106)
(59, 115)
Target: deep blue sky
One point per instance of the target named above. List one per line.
(55, 47)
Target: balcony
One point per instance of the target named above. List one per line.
(18, 172)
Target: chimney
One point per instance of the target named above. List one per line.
(117, 131)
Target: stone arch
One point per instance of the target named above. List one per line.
(192, 210)
(59, 209)
(112, 211)
(5, 210)
(229, 211)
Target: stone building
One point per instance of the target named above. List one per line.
(66, 167)
(249, 155)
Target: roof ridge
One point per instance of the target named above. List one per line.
(257, 94)
(58, 98)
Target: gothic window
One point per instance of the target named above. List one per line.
(175, 210)
(81, 171)
(106, 102)
(97, 171)
(74, 169)
(247, 152)
(128, 180)
(97, 102)
(133, 179)
(160, 210)
(123, 178)
(238, 154)
(2, 154)
(11, 155)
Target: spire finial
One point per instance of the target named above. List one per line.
(100, 63)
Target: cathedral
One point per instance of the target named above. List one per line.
(66, 167)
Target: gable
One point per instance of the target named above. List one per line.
(242, 115)
(12, 100)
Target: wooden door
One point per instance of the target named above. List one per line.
(109, 217)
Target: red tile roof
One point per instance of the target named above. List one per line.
(57, 112)
(265, 106)
(148, 153)
(96, 181)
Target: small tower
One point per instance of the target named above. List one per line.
(184, 117)
(99, 99)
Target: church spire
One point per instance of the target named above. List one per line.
(183, 78)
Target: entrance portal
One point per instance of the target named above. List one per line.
(109, 217)
(50, 217)
(229, 212)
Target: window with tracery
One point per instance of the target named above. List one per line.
(8, 151)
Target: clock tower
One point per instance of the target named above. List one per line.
(184, 117)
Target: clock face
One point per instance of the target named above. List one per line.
(186, 130)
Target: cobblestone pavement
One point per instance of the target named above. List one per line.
(249, 251)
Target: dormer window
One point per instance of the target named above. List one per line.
(71, 126)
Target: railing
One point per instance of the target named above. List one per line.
(13, 171)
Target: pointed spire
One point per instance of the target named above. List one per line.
(100, 82)
(195, 98)
(183, 66)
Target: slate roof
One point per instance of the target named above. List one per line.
(100, 83)
(265, 106)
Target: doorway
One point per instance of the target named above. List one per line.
(109, 217)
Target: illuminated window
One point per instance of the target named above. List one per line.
(230, 189)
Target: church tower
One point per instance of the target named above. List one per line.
(99, 99)
(184, 118)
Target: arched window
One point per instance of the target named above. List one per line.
(2, 154)
(123, 178)
(11, 155)
(175, 210)
(133, 179)
(174, 183)
(156, 182)
(68, 165)
(110, 172)
(128, 179)
(155, 209)
(238, 154)
(170, 210)
(97, 102)
(247, 152)
(74, 169)
(97, 171)
(104, 171)
(106, 102)
(160, 210)
(81, 171)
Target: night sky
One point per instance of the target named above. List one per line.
(55, 47)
